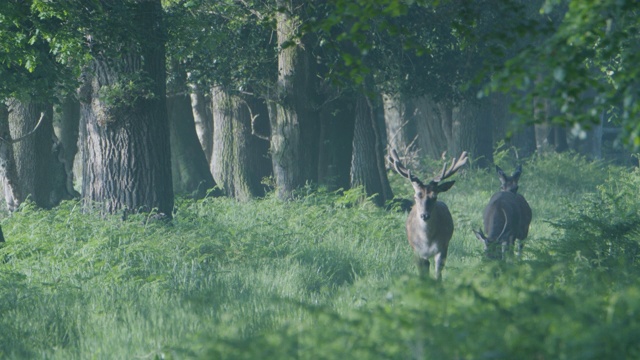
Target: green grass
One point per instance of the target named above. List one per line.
(329, 276)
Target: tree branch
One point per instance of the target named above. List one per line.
(13, 141)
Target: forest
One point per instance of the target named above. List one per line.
(216, 179)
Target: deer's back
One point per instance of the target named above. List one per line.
(503, 216)
(525, 217)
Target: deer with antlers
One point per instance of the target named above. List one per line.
(429, 225)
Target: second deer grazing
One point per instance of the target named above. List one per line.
(506, 217)
(429, 225)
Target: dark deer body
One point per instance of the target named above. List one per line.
(429, 225)
(506, 217)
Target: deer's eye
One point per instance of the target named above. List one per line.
(419, 195)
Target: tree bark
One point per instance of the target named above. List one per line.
(8, 168)
(522, 138)
(65, 148)
(33, 154)
(396, 122)
(202, 120)
(127, 151)
(67, 131)
(190, 168)
(473, 131)
(367, 164)
(445, 109)
(427, 117)
(295, 128)
(238, 158)
(336, 143)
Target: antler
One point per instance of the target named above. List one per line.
(394, 159)
(455, 165)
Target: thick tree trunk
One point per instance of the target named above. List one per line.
(367, 164)
(295, 128)
(239, 158)
(202, 120)
(127, 151)
(560, 139)
(65, 149)
(473, 130)
(336, 143)
(396, 122)
(428, 120)
(67, 130)
(8, 169)
(522, 138)
(543, 129)
(190, 169)
(33, 154)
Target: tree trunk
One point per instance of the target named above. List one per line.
(367, 164)
(65, 149)
(445, 109)
(427, 117)
(396, 122)
(295, 128)
(522, 138)
(473, 131)
(203, 120)
(190, 169)
(238, 158)
(127, 154)
(67, 130)
(33, 154)
(560, 139)
(8, 168)
(336, 143)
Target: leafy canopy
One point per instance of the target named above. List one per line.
(586, 66)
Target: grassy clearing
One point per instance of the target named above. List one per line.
(329, 276)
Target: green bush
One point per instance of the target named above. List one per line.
(329, 275)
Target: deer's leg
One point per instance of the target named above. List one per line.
(441, 258)
(423, 267)
(505, 250)
(520, 246)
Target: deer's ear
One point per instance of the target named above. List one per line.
(501, 174)
(517, 173)
(445, 186)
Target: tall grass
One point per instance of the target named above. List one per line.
(328, 276)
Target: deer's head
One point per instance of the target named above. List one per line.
(509, 183)
(426, 196)
(492, 247)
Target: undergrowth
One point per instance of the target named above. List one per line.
(329, 275)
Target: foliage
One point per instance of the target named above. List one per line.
(212, 40)
(409, 47)
(127, 91)
(33, 54)
(46, 45)
(582, 58)
(328, 275)
(603, 232)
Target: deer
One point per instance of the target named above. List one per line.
(429, 223)
(506, 218)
